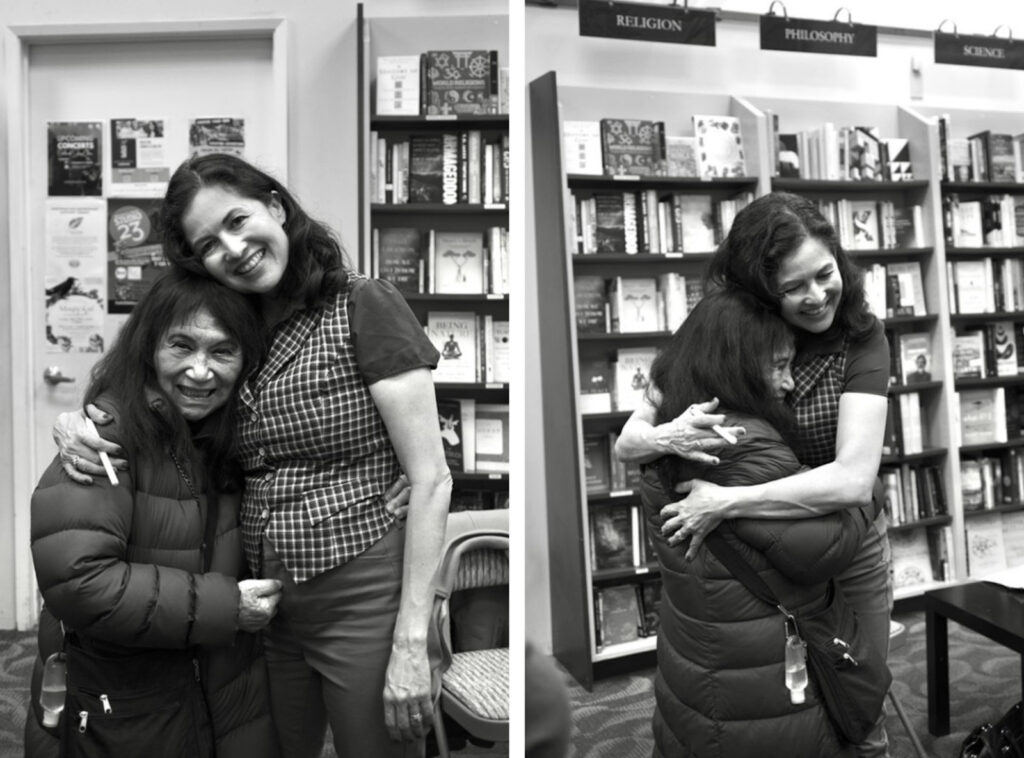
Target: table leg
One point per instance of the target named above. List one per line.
(938, 672)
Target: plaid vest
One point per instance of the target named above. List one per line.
(819, 382)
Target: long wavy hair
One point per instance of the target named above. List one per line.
(317, 269)
(723, 349)
(128, 370)
(763, 234)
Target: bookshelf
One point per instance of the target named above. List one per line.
(467, 231)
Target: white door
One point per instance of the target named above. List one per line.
(175, 80)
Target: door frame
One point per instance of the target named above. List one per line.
(18, 41)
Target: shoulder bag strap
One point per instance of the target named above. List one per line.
(742, 570)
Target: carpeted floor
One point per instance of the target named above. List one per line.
(613, 721)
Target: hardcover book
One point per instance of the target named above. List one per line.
(909, 284)
(596, 381)
(698, 223)
(398, 85)
(986, 551)
(500, 359)
(634, 302)
(649, 593)
(788, 159)
(911, 558)
(399, 257)
(581, 147)
(982, 416)
(864, 222)
(492, 447)
(897, 150)
(619, 613)
(613, 535)
(459, 81)
(449, 415)
(596, 464)
(633, 146)
(865, 154)
(959, 152)
(425, 168)
(1002, 345)
(454, 334)
(969, 355)
(681, 156)
(719, 146)
(459, 263)
(591, 300)
(915, 357)
(609, 220)
(632, 375)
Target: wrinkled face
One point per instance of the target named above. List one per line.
(809, 287)
(241, 241)
(197, 365)
(779, 375)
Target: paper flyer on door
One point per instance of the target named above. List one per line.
(76, 277)
(135, 258)
(138, 158)
(217, 135)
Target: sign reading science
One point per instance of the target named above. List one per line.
(978, 50)
(651, 23)
(802, 35)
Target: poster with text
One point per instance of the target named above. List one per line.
(135, 258)
(216, 135)
(74, 158)
(76, 275)
(138, 160)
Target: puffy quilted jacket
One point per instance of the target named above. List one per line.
(123, 567)
(720, 687)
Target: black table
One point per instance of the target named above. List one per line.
(989, 609)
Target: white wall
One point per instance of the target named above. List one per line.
(736, 65)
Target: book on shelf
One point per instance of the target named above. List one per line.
(897, 155)
(940, 546)
(458, 263)
(461, 82)
(590, 295)
(681, 156)
(911, 558)
(719, 146)
(614, 536)
(959, 151)
(992, 155)
(697, 220)
(617, 615)
(972, 487)
(610, 222)
(982, 416)
(913, 492)
(972, 286)
(398, 85)
(915, 357)
(449, 415)
(635, 304)
(596, 464)
(968, 226)
(905, 294)
(477, 500)
(865, 156)
(498, 366)
(492, 442)
(672, 287)
(1013, 538)
(632, 376)
(1001, 348)
(633, 147)
(426, 154)
(625, 475)
(398, 257)
(454, 334)
(863, 216)
(788, 157)
(596, 385)
(649, 595)
(911, 427)
(986, 551)
(905, 221)
(581, 147)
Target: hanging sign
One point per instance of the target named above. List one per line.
(978, 50)
(651, 23)
(804, 35)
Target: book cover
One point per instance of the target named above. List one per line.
(969, 355)
(681, 156)
(1013, 538)
(915, 357)
(972, 291)
(591, 302)
(698, 223)
(458, 81)
(1001, 164)
(459, 263)
(635, 303)
(788, 158)
(74, 155)
(864, 223)
(911, 558)
(694, 292)
(911, 426)
(865, 154)
(1002, 344)
(620, 614)
(612, 536)
(425, 168)
(719, 146)
(398, 85)
(672, 287)
(454, 334)
(596, 464)
(910, 285)
(905, 224)
(449, 414)
(982, 416)
(986, 551)
(609, 220)
(581, 147)
(400, 257)
(632, 375)
(959, 151)
(968, 224)
(596, 382)
(899, 166)
(501, 358)
(649, 593)
(633, 146)
(492, 447)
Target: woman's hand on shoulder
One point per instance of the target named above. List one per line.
(691, 434)
(79, 445)
(695, 516)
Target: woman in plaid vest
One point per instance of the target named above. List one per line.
(341, 406)
(783, 251)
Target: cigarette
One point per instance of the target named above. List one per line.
(727, 436)
(104, 458)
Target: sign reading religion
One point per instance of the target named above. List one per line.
(978, 50)
(802, 35)
(650, 23)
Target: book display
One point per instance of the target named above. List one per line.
(434, 190)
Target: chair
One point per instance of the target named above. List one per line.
(897, 636)
(470, 686)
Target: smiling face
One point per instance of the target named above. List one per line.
(241, 241)
(779, 375)
(809, 286)
(197, 365)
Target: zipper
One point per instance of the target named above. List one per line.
(83, 720)
(105, 701)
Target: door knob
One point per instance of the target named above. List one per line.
(53, 376)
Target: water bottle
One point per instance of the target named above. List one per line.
(796, 668)
(51, 696)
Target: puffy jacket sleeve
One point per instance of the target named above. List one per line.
(80, 536)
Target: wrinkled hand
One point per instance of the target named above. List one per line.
(396, 498)
(257, 603)
(408, 709)
(689, 435)
(694, 517)
(80, 446)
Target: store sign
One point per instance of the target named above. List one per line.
(802, 35)
(978, 50)
(651, 23)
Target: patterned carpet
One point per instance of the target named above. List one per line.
(613, 721)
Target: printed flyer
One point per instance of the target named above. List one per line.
(138, 161)
(216, 135)
(75, 275)
(74, 157)
(135, 259)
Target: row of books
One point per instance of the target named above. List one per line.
(895, 289)
(639, 147)
(626, 612)
(983, 285)
(441, 82)
(987, 481)
(840, 153)
(920, 556)
(652, 222)
(913, 492)
(474, 435)
(989, 221)
(478, 500)
(631, 304)
(995, 542)
(986, 156)
(994, 349)
(605, 473)
(874, 225)
(904, 428)
(442, 262)
(991, 415)
(618, 384)
(474, 347)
